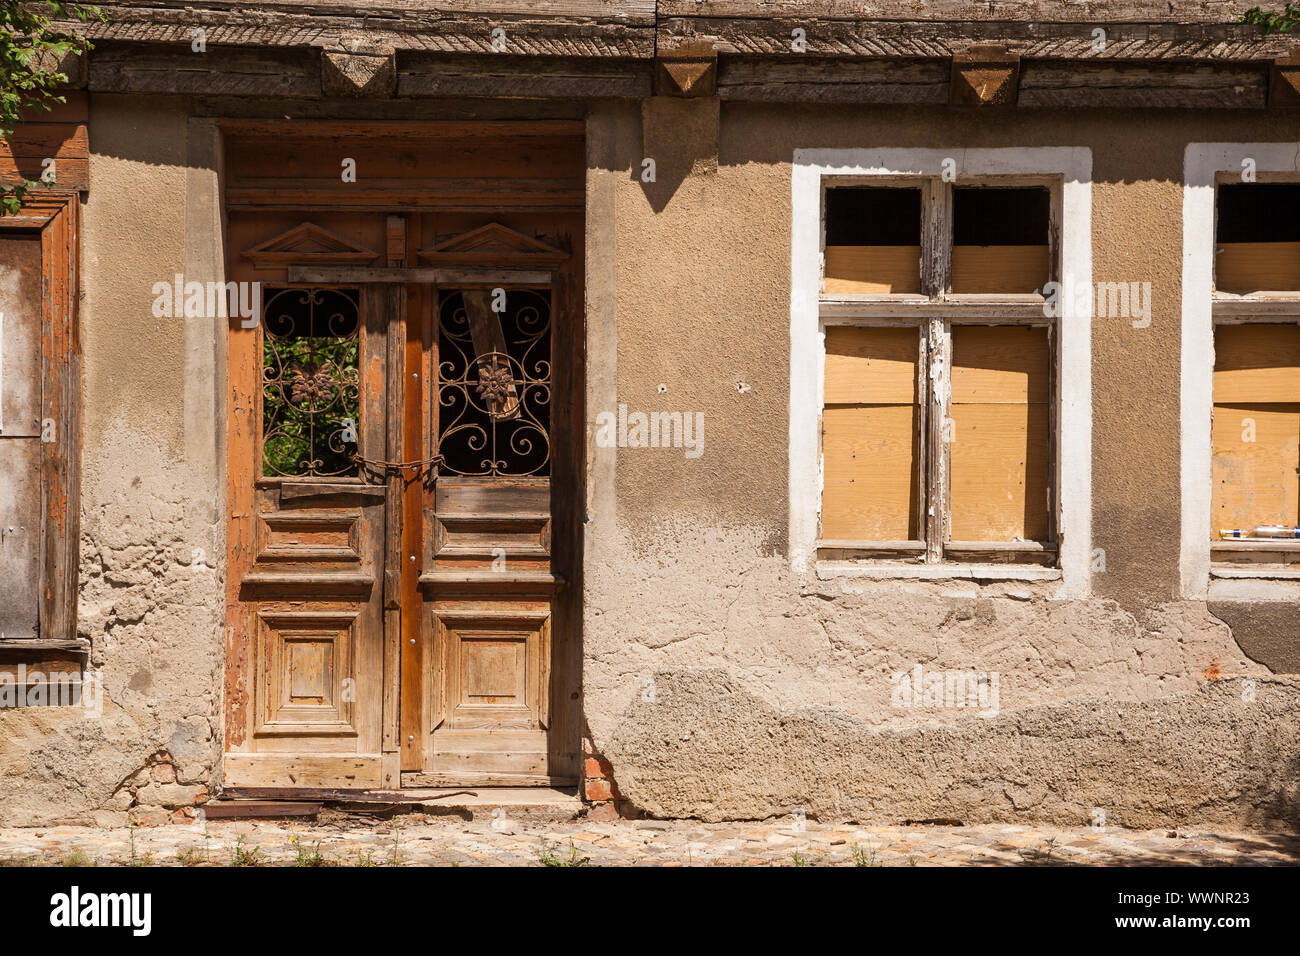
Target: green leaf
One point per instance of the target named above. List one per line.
(29, 37)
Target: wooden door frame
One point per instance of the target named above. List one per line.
(408, 437)
(391, 188)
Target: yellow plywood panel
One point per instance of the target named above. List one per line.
(1257, 267)
(1256, 469)
(871, 365)
(870, 460)
(1257, 363)
(999, 269)
(873, 270)
(999, 364)
(998, 472)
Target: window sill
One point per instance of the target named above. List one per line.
(829, 570)
(1258, 573)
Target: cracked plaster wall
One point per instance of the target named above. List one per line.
(152, 498)
(718, 681)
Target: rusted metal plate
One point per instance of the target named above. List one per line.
(20, 537)
(20, 334)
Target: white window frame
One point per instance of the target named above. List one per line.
(1205, 166)
(813, 171)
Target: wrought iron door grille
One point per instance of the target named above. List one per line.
(310, 382)
(494, 383)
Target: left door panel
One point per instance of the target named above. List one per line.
(309, 554)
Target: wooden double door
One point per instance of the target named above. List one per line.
(405, 489)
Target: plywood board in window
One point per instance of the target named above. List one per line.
(998, 472)
(1257, 363)
(999, 269)
(871, 365)
(873, 270)
(999, 364)
(1256, 469)
(870, 459)
(1257, 267)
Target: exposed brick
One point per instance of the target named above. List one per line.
(604, 812)
(150, 816)
(598, 767)
(172, 794)
(598, 790)
(164, 773)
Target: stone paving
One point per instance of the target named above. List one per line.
(425, 840)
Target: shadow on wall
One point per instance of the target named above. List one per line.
(679, 138)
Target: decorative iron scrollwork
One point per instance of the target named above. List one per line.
(494, 384)
(310, 382)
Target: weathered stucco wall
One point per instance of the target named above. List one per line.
(719, 681)
(152, 527)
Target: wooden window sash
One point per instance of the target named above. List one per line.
(936, 311)
(1227, 310)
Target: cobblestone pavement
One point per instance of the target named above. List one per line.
(419, 840)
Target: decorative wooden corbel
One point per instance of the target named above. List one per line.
(1284, 82)
(358, 68)
(687, 69)
(985, 75)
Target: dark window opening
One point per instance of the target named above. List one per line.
(1000, 217)
(494, 383)
(873, 216)
(1259, 212)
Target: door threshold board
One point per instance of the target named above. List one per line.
(469, 778)
(559, 797)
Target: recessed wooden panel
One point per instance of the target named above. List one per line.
(494, 670)
(871, 365)
(999, 269)
(491, 674)
(1257, 363)
(309, 669)
(873, 270)
(1257, 267)
(307, 663)
(312, 536)
(1000, 440)
(870, 480)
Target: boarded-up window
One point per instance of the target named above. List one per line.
(999, 242)
(873, 240)
(1257, 238)
(1256, 434)
(999, 451)
(870, 440)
